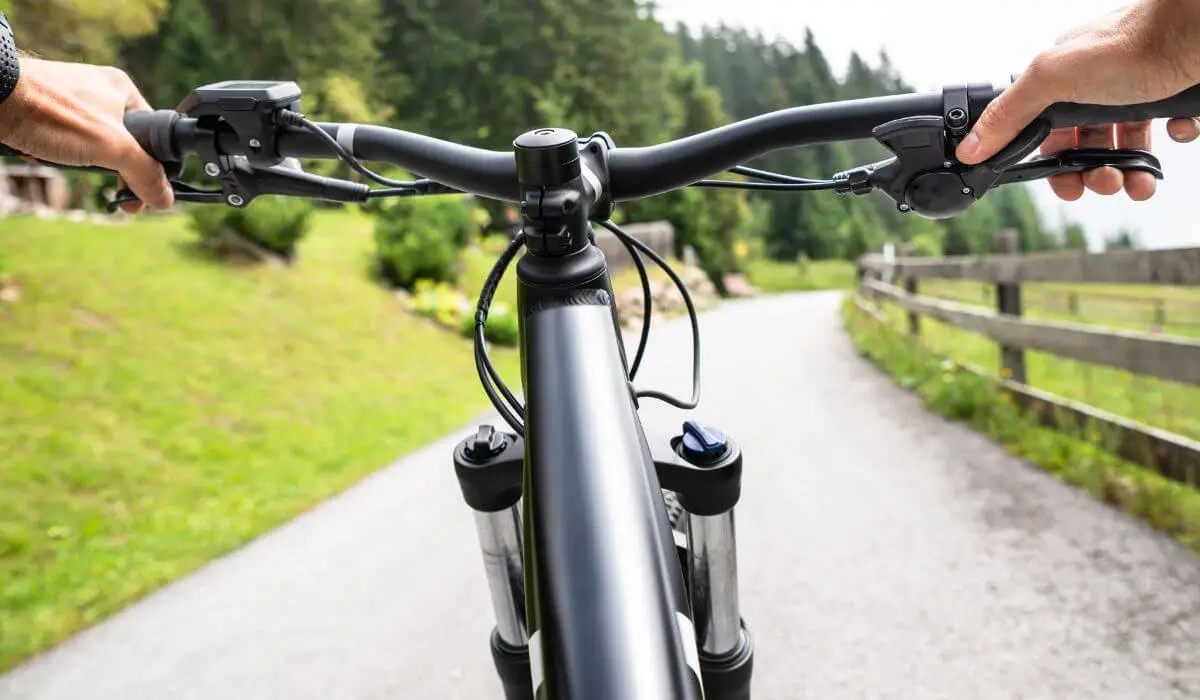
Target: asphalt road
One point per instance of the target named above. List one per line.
(884, 554)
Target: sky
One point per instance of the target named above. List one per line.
(937, 42)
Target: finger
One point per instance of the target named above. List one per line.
(1183, 130)
(1060, 140)
(145, 177)
(1106, 181)
(137, 103)
(130, 207)
(1007, 115)
(1068, 186)
(1140, 186)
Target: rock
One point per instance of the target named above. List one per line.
(629, 302)
(739, 286)
(689, 256)
(10, 293)
(669, 300)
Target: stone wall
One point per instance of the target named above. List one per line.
(658, 235)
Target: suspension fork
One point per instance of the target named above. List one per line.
(702, 466)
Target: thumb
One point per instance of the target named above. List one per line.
(1004, 118)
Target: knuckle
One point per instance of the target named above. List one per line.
(118, 76)
(1041, 68)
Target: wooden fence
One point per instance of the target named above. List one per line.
(897, 280)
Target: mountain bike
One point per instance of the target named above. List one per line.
(610, 555)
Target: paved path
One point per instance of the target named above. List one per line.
(885, 554)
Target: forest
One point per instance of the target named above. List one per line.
(483, 72)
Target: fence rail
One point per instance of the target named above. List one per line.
(1156, 355)
(1174, 267)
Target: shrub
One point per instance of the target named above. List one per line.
(926, 245)
(420, 237)
(502, 327)
(441, 302)
(275, 224)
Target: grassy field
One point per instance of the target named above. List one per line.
(159, 409)
(1163, 404)
(772, 276)
(1076, 459)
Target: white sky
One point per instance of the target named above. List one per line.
(935, 42)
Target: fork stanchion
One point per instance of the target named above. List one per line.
(488, 465)
(704, 469)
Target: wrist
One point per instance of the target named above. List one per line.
(10, 62)
(1173, 36)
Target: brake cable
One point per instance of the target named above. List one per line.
(694, 401)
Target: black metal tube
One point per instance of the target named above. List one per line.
(608, 613)
(644, 172)
(486, 173)
(647, 171)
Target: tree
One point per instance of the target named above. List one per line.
(309, 41)
(710, 221)
(83, 30)
(1123, 239)
(1074, 238)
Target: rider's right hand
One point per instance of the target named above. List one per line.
(73, 114)
(1142, 53)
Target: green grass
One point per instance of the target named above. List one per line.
(1076, 459)
(1164, 404)
(160, 409)
(773, 276)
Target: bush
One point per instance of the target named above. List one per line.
(441, 302)
(420, 237)
(275, 224)
(926, 246)
(502, 327)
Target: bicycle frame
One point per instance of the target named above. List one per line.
(606, 610)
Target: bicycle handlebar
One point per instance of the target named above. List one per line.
(634, 172)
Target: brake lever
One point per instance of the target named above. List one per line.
(1081, 159)
(924, 177)
(183, 193)
(241, 183)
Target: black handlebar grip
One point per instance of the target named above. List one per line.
(1065, 114)
(155, 133)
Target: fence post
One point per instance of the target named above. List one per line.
(1008, 302)
(910, 286)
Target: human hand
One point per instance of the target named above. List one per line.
(1141, 53)
(73, 114)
